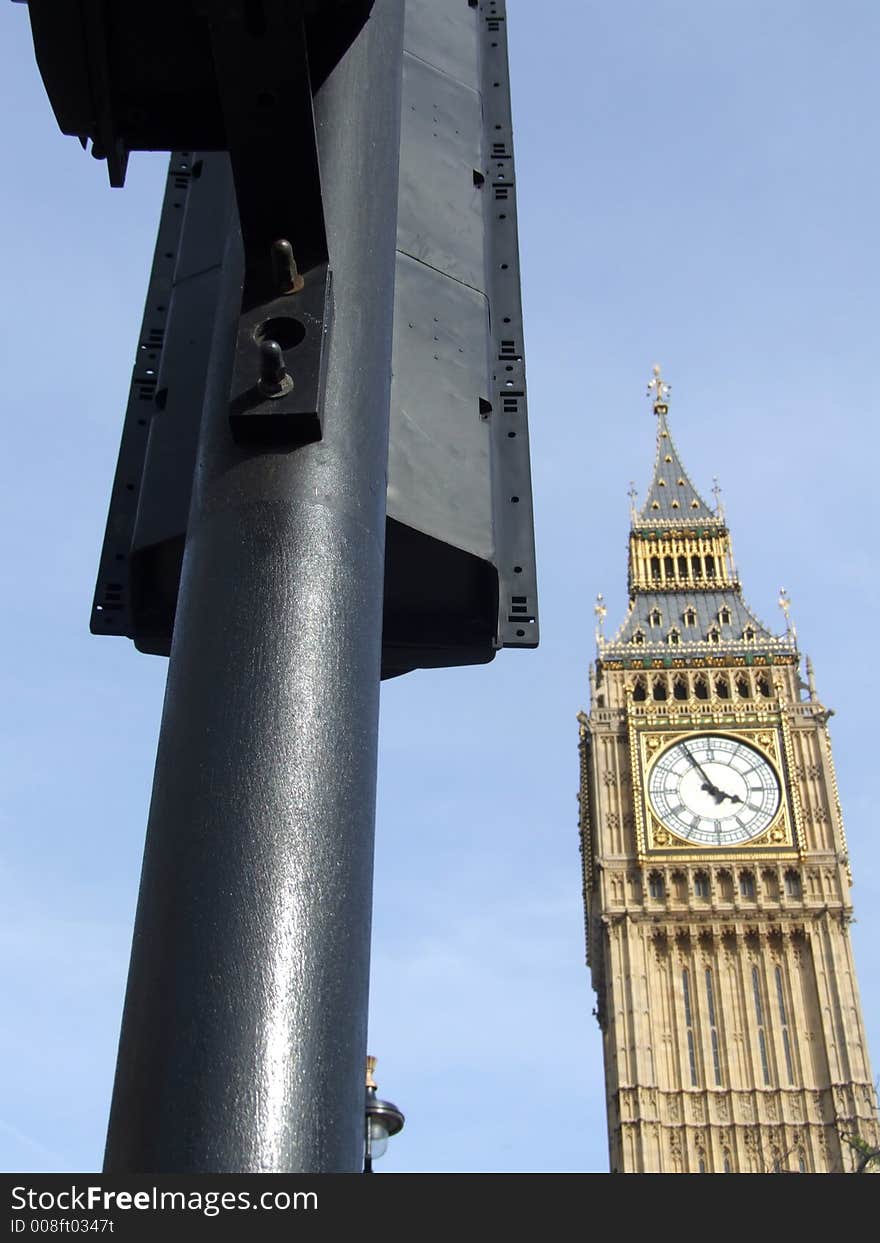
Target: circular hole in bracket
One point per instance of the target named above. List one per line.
(520, 634)
(284, 329)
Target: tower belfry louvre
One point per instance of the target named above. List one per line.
(716, 875)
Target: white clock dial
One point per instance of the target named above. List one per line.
(714, 790)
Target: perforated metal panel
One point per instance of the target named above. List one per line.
(459, 460)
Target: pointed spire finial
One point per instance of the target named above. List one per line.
(716, 492)
(633, 495)
(600, 610)
(785, 605)
(659, 389)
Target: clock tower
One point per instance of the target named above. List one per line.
(716, 878)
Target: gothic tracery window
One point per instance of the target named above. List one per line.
(792, 884)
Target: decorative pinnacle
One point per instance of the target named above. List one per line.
(716, 492)
(811, 681)
(600, 611)
(659, 389)
(785, 605)
(632, 494)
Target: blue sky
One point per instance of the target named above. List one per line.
(697, 185)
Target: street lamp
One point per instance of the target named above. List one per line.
(382, 1120)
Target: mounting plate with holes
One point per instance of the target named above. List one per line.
(300, 325)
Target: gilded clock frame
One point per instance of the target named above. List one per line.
(649, 737)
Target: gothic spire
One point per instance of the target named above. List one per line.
(684, 590)
(671, 497)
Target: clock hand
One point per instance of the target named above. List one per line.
(708, 786)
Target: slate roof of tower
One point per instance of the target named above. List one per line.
(672, 497)
(707, 606)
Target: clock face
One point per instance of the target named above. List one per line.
(714, 790)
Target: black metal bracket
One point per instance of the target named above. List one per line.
(280, 367)
(262, 69)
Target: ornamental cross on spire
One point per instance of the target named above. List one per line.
(659, 389)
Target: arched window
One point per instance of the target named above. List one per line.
(792, 884)
(639, 638)
(680, 687)
(763, 685)
(674, 638)
(682, 567)
(747, 884)
(689, 1024)
(724, 616)
(783, 1022)
(722, 687)
(655, 618)
(660, 689)
(770, 883)
(725, 884)
(742, 686)
(669, 567)
(690, 617)
(713, 1026)
(656, 888)
(701, 884)
(640, 690)
(759, 1016)
(749, 634)
(696, 567)
(679, 886)
(655, 567)
(710, 566)
(714, 636)
(701, 687)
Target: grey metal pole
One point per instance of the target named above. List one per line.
(244, 1032)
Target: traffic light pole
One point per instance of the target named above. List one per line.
(244, 1031)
